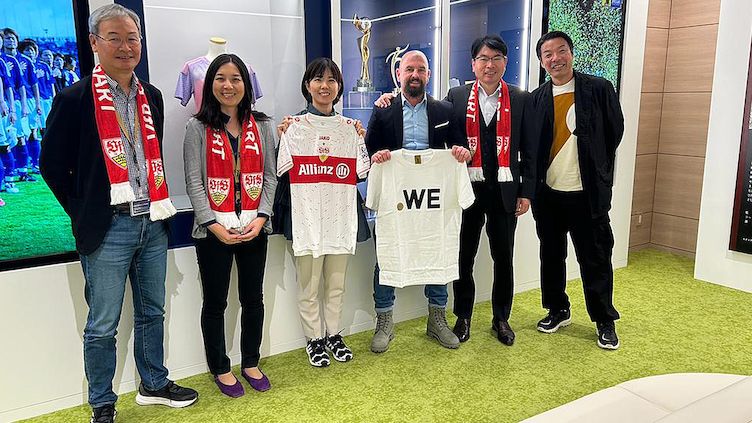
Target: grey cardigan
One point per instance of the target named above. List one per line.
(194, 162)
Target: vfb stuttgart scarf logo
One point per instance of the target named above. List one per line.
(219, 189)
(323, 151)
(158, 171)
(473, 143)
(116, 152)
(252, 184)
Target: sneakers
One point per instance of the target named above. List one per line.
(316, 349)
(607, 338)
(554, 320)
(10, 188)
(438, 328)
(384, 332)
(340, 351)
(103, 414)
(172, 395)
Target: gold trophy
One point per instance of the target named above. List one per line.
(363, 25)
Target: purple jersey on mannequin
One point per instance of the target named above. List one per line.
(191, 82)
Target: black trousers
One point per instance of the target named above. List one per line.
(500, 227)
(557, 213)
(215, 264)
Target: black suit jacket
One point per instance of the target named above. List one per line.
(523, 149)
(72, 162)
(600, 126)
(385, 130)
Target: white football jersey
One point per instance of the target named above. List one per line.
(418, 197)
(325, 157)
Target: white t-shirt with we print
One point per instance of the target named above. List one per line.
(418, 197)
(325, 157)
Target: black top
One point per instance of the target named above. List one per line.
(599, 128)
(523, 146)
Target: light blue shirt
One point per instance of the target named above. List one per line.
(414, 125)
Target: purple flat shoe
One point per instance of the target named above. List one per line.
(233, 391)
(260, 385)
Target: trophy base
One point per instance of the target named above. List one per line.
(361, 99)
(363, 86)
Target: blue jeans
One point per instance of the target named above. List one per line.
(383, 295)
(135, 247)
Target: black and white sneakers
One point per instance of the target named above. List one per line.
(340, 351)
(103, 414)
(316, 350)
(607, 338)
(554, 320)
(172, 395)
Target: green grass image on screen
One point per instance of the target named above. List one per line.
(33, 223)
(596, 30)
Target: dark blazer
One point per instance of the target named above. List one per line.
(72, 162)
(523, 147)
(385, 130)
(600, 126)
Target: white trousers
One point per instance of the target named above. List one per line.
(332, 269)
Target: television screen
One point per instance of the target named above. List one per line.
(43, 46)
(597, 30)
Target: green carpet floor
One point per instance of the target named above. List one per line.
(670, 323)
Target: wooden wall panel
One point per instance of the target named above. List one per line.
(644, 183)
(684, 124)
(639, 232)
(659, 13)
(678, 185)
(694, 12)
(654, 66)
(649, 127)
(691, 59)
(674, 232)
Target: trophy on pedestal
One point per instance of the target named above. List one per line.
(363, 95)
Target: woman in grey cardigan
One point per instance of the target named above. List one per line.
(230, 174)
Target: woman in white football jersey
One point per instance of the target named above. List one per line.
(321, 155)
(230, 173)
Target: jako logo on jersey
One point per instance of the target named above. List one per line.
(414, 198)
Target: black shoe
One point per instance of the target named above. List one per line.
(316, 350)
(104, 414)
(462, 329)
(25, 177)
(340, 350)
(172, 395)
(554, 320)
(607, 338)
(504, 332)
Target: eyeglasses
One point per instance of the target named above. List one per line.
(485, 59)
(116, 42)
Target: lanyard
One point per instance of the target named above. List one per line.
(127, 135)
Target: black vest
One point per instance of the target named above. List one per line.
(488, 149)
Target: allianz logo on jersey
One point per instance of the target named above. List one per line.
(420, 199)
(341, 171)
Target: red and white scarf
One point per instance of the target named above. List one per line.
(503, 134)
(221, 176)
(114, 151)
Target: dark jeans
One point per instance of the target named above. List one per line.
(215, 263)
(500, 226)
(134, 247)
(557, 213)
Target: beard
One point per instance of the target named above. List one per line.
(415, 91)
